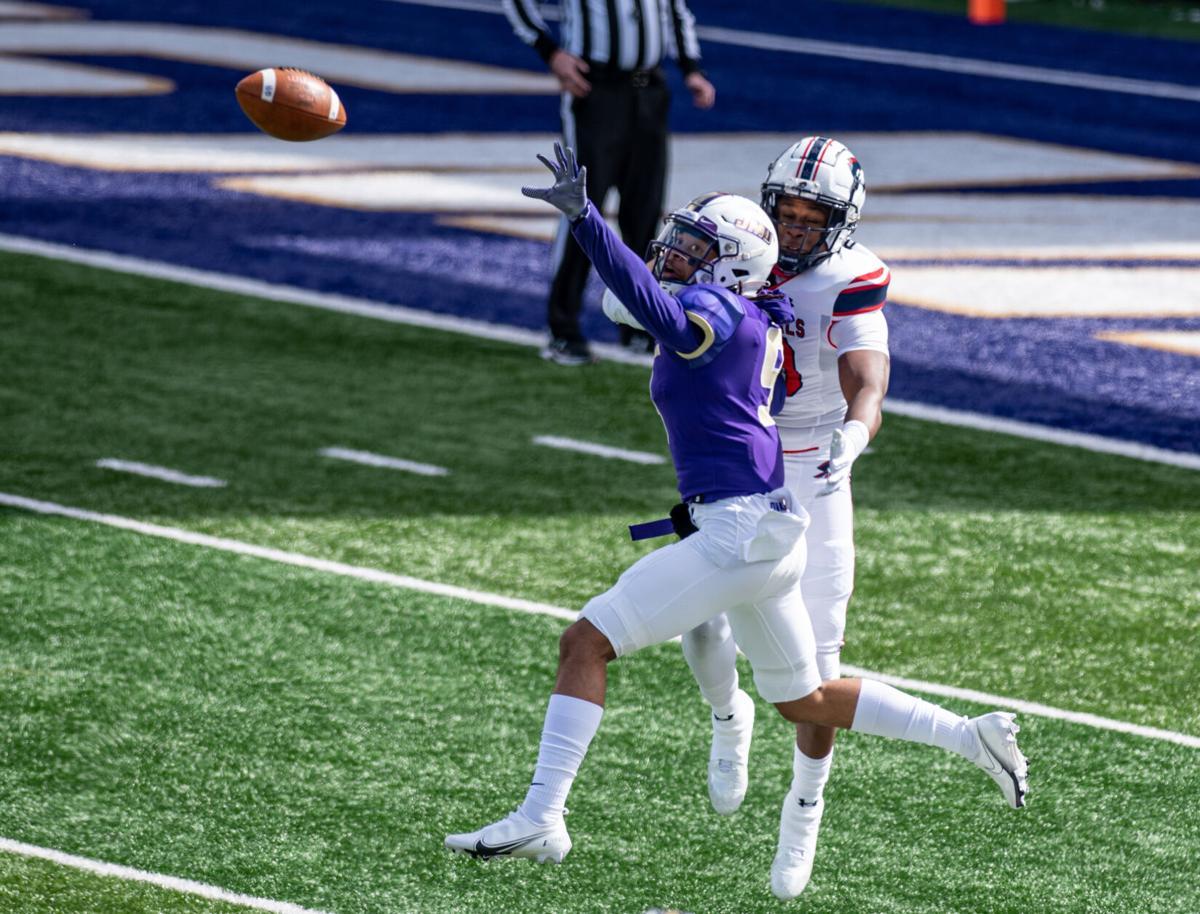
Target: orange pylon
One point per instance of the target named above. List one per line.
(985, 12)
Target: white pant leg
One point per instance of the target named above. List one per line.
(829, 576)
(711, 655)
(682, 585)
(668, 592)
(775, 635)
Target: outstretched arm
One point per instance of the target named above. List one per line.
(620, 269)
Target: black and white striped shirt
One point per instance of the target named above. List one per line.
(616, 34)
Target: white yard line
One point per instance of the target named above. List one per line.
(379, 460)
(343, 304)
(166, 474)
(287, 558)
(598, 450)
(398, 314)
(917, 60)
(1036, 432)
(1027, 707)
(130, 874)
(528, 606)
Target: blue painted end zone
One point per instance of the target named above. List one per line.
(1053, 372)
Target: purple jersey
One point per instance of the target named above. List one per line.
(714, 374)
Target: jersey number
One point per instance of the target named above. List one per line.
(791, 376)
(773, 359)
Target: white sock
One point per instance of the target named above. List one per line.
(570, 725)
(712, 655)
(809, 776)
(884, 711)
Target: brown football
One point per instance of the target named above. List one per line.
(291, 104)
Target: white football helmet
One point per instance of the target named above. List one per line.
(717, 238)
(827, 173)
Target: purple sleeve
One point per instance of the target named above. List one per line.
(633, 284)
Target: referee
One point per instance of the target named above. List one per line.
(614, 111)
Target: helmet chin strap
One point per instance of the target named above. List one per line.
(795, 262)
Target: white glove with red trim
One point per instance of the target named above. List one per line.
(848, 442)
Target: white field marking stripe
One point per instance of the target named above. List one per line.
(398, 314)
(946, 64)
(240, 285)
(379, 460)
(528, 606)
(599, 450)
(1036, 432)
(130, 874)
(373, 575)
(1027, 707)
(913, 59)
(164, 473)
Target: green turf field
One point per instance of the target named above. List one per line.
(1173, 19)
(294, 735)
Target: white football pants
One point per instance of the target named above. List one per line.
(746, 561)
(826, 585)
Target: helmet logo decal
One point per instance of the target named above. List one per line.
(754, 228)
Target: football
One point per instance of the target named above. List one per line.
(291, 104)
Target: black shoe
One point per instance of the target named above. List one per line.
(568, 352)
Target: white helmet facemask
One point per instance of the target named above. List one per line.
(825, 172)
(718, 238)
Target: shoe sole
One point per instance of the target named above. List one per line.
(548, 857)
(569, 361)
(555, 855)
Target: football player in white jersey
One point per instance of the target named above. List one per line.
(836, 367)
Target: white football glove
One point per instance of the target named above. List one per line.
(569, 193)
(848, 442)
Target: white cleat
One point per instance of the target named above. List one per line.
(798, 826)
(999, 755)
(730, 755)
(514, 836)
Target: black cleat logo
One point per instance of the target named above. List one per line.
(499, 850)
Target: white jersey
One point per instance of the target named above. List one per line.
(839, 308)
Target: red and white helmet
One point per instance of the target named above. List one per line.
(823, 171)
(739, 247)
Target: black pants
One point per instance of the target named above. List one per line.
(620, 134)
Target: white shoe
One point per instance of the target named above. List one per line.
(798, 826)
(999, 755)
(514, 836)
(730, 754)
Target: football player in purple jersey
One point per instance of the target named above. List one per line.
(719, 354)
(835, 375)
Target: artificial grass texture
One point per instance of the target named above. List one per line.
(34, 886)
(281, 733)
(309, 738)
(967, 540)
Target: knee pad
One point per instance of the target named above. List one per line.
(708, 635)
(614, 621)
(827, 585)
(778, 684)
(829, 662)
